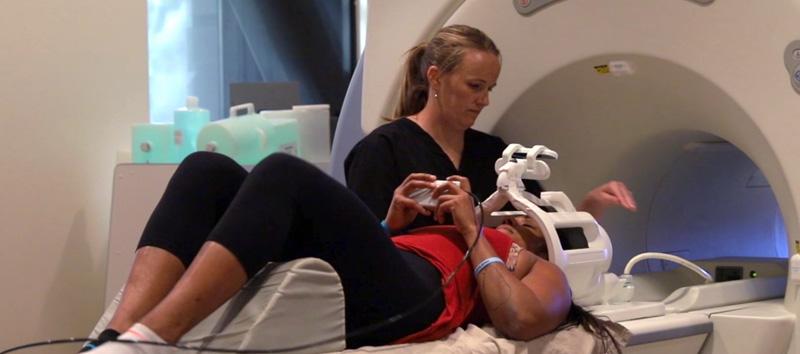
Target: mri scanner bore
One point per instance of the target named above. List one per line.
(705, 197)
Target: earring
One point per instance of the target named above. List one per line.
(435, 94)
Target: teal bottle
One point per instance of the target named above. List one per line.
(189, 121)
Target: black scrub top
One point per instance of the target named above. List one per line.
(384, 158)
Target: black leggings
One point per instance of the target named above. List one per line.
(287, 209)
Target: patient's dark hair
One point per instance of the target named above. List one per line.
(446, 51)
(578, 316)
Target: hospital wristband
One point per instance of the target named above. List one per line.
(485, 263)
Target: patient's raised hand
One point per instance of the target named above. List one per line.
(458, 203)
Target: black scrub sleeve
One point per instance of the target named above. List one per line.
(371, 172)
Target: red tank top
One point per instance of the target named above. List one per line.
(444, 247)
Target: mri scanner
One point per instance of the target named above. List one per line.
(693, 104)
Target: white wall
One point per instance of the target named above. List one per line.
(73, 79)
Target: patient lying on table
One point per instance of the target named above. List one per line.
(217, 225)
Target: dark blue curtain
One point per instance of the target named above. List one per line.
(308, 41)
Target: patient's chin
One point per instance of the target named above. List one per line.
(513, 235)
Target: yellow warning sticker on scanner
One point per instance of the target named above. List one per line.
(602, 69)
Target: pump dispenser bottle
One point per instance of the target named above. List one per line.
(188, 122)
(792, 298)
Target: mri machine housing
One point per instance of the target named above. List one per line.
(700, 123)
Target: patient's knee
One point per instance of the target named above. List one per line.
(284, 165)
(210, 164)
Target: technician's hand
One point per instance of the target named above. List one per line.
(457, 203)
(463, 182)
(613, 193)
(403, 209)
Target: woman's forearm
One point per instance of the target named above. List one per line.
(512, 306)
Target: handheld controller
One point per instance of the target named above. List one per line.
(424, 196)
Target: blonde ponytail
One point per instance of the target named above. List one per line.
(445, 50)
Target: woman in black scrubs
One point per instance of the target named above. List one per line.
(447, 84)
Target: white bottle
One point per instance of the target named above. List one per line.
(792, 298)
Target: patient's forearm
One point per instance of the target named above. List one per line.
(514, 308)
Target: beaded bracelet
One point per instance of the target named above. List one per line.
(485, 263)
